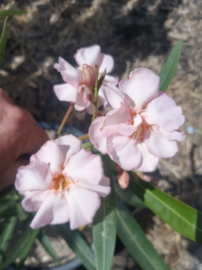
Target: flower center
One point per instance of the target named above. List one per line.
(143, 127)
(60, 183)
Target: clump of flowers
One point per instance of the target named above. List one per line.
(64, 182)
(80, 82)
(143, 128)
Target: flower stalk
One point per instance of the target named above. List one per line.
(84, 137)
(65, 119)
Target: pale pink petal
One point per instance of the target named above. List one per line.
(85, 167)
(54, 210)
(69, 73)
(158, 145)
(128, 130)
(115, 120)
(99, 189)
(118, 116)
(149, 161)
(87, 55)
(51, 154)
(111, 96)
(83, 204)
(111, 79)
(82, 102)
(65, 92)
(162, 111)
(173, 135)
(124, 151)
(34, 199)
(105, 62)
(35, 176)
(105, 181)
(69, 145)
(142, 87)
(95, 135)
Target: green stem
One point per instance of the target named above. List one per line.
(95, 99)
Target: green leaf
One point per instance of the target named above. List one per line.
(104, 226)
(9, 13)
(87, 145)
(6, 235)
(128, 196)
(46, 243)
(78, 244)
(3, 40)
(8, 208)
(134, 239)
(7, 193)
(22, 215)
(168, 71)
(180, 216)
(21, 249)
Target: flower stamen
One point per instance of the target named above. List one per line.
(61, 183)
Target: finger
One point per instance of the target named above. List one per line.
(35, 139)
(8, 177)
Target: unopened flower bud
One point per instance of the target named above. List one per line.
(89, 75)
(123, 179)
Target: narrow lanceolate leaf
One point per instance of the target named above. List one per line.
(21, 249)
(9, 13)
(46, 243)
(7, 208)
(168, 71)
(128, 196)
(79, 245)
(136, 242)
(104, 227)
(6, 235)
(3, 39)
(181, 217)
(22, 215)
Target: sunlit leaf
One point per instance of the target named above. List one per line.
(3, 40)
(134, 239)
(180, 216)
(168, 71)
(9, 13)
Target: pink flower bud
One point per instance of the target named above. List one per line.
(89, 75)
(123, 179)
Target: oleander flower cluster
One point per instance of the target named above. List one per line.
(136, 126)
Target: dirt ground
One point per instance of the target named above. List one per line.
(136, 33)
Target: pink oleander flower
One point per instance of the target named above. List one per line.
(142, 126)
(62, 183)
(79, 80)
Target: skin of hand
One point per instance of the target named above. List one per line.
(19, 135)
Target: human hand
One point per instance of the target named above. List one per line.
(19, 135)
